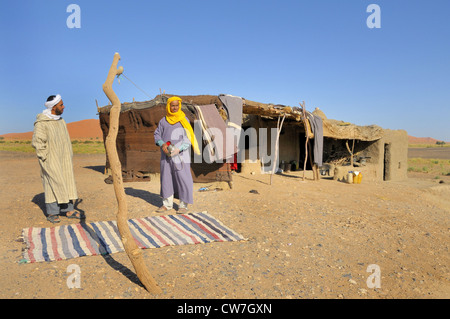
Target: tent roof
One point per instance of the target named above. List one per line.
(331, 128)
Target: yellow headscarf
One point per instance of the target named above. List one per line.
(179, 116)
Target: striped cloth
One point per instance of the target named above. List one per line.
(101, 238)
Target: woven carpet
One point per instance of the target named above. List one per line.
(101, 238)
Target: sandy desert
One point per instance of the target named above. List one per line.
(304, 239)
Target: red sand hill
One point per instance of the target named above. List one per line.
(421, 140)
(85, 129)
(90, 129)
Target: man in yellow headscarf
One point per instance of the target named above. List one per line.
(174, 135)
(175, 115)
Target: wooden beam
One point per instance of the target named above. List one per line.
(256, 108)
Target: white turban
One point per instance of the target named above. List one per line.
(50, 104)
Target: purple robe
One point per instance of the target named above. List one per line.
(176, 177)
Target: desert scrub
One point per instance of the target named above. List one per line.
(79, 147)
(16, 146)
(88, 147)
(425, 165)
(428, 145)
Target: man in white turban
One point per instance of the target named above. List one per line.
(54, 151)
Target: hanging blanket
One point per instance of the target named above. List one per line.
(220, 142)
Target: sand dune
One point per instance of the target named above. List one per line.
(90, 129)
(421, 140)
(85, 129)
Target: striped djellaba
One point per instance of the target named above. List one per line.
(54, 151)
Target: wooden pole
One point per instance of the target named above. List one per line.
(315, 168)
(276, 147)
(131, 248)
(304, 119)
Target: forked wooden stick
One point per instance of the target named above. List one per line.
(131, 248)
(350, 151)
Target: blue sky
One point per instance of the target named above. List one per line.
(318, 51)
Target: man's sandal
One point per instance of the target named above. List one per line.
(182, 211)
(163, 209)
(53, 219)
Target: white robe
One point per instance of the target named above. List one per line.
(54, 151)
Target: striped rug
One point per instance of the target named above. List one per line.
(101, 238)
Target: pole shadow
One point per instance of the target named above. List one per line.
(114, 264)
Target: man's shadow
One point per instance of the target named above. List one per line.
(151, 198)
(97, 168)
(39, 200)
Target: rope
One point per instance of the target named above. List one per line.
(136, 85)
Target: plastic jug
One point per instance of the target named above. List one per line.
(357, 177)
(350, 177)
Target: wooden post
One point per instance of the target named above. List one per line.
(304, 119)
(276, 147)
(314, 167)
(131, 248)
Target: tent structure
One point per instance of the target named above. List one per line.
(138, 154)
(379, 153)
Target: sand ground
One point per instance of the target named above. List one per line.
(306, 239)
